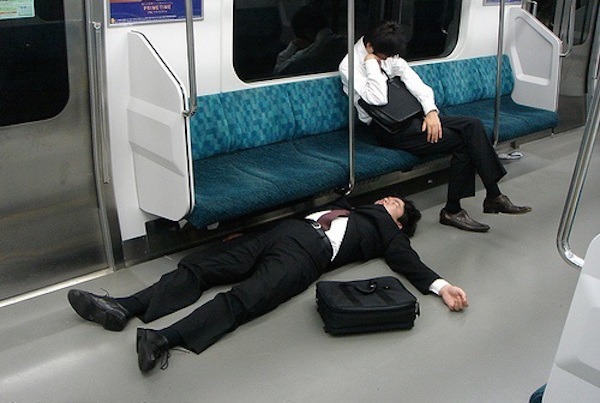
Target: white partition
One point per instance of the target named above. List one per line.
(534, 53)
(158, 133)
(575, 375)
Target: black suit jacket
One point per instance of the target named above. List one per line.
(372, 233)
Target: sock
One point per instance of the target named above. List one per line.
(172, 336)
(492, 191)
(453, 206)
(133, 306)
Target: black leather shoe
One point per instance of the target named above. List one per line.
(100, 309)
(461, 220)
(502, 204)
(151, 347)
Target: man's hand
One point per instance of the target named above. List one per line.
(433, 126)
(454, 297)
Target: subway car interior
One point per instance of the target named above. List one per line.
(133, 132)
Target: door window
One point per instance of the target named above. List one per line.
(34, 76)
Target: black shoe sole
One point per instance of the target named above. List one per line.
(86, 307)
(498, 211)
(470, 229)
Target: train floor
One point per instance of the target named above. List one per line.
(499, 350)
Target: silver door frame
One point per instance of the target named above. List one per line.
(96, 34)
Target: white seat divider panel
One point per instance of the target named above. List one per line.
(158, 133)
(575, 375)
(537, 74)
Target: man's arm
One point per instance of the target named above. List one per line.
(370, 83)
(424, 93)
(403, 259)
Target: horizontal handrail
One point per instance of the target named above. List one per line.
(534, 7)
(570, 29)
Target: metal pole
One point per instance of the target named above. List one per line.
(191, 56)
(579, 174)
(351, 180)
(499, 72)
(570, 31)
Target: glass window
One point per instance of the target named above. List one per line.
(555, 15)
(33, 64)
(281, 38)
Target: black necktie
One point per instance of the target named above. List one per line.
(326, 219)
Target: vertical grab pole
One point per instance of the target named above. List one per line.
(499, 72)
(351, 180)
(191, 56)
(579, 174)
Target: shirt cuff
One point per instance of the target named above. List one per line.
(437, 285)
(431, 109)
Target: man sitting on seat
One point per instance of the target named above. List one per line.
(377, 56)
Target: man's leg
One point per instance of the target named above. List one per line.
(454, 142)
(478, 149)
(461, 181)
(289, 265)
(486, 162)
(196, 273)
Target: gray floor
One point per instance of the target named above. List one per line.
(499, 350)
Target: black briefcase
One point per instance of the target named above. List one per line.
(369, 305)
(397, 113)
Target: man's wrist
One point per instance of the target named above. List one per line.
(437, 286)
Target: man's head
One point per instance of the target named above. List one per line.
(403, 212)
(386, 39)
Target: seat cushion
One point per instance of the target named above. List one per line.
(515, 120)
(262, 178)
(256, 179)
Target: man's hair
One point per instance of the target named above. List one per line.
(388, 38)
(410, 218)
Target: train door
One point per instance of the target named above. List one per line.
(574, 21)
(51, 226)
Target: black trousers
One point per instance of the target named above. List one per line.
(464, 138)
(269, 269)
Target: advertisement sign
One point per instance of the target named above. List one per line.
(142, 11)
(10, 9)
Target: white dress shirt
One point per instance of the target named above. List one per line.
(370, 83)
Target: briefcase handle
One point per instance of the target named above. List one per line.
(370, 289)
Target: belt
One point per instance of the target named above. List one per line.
(321, 233)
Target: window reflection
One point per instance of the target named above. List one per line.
(279, 38)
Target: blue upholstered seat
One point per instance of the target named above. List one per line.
(515, 120)
(260, 148)
(256, 179)
(468, 87)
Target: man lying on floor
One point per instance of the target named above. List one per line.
(268, 269)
